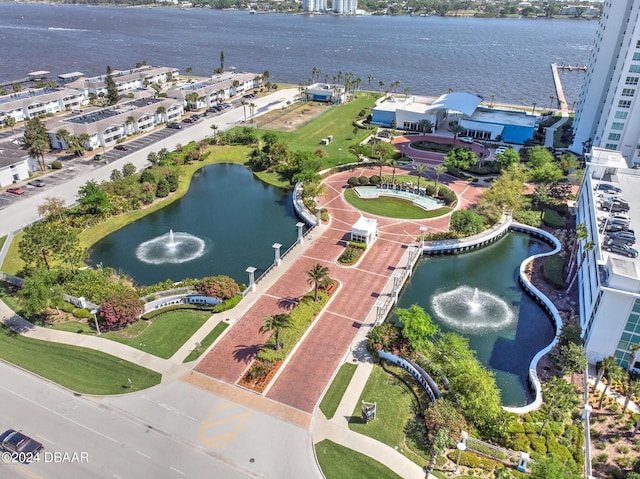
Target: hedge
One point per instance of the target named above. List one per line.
(301, 316)
(552, 219)
(552, 269)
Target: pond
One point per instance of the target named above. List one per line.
(477, 294)
(227, 221)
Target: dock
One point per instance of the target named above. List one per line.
(562, 102)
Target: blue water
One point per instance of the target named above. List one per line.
(508, 58)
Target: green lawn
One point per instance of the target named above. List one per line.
(332, 399)
(73, 327)
(392, 207)
(80, 369)
(163, 335)
(206, 342)
(394, 411)
(336, 121)
(339, 462)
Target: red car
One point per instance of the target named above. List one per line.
(15, 190)
(121, 147)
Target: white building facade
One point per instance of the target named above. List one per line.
(314, 6)
(345, 7)
(608, 110)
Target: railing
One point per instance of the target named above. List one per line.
(301, 210)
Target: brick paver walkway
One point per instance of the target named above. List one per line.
(304, 377)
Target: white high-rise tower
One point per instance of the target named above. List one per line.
(608, 109)
(345, 7)
(314, 6)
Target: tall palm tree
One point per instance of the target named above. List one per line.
(214, 128)
(425, 125)
(39, 147)
(456, 129)
(438, 169)
(130, 121)
(632, 387)
(380, 85)
(421, 169)
(615, 373)
(588, 246)
(252, 110)
(85, 140)
(276, 323)
(581, 235)
(406, 91)
(316, 277)
(160, 111)
(369, 78)
(394, 164)
(244, 104)
(62, 136)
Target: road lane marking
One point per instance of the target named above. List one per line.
(143, 454)
(60, 415)
(45, 439)
(177, 470)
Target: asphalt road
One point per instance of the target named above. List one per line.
(114, 445)
(16, 212)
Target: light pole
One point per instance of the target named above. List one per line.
(533, 112)
(462, 446)
(339, 156)
(95, 318)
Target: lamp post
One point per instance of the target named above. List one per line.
(95, 318)
(462, 446)
(339, 156)
(533, 112)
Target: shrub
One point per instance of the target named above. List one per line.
(258, 370)
(552, 269)
(623, 461)
(601, 458)
(601, 445)
(552, 219)
(221, 287)
(353, 181)
(623, 449)
(469, 459)
(56, 165)
(363, 180)
(349, 256)
(81, 313)
(375, 179)
(358, 245)
(227, 304)
(538, 444)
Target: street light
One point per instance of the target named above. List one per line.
(339, 156)
(95, 318)
(462, 446)
(533, 112)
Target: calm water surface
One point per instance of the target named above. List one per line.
(508, 58)
(507, 351)
(238, 217)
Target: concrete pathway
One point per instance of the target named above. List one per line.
(548, 139)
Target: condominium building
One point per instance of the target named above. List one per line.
(345, 7)
(608, 110)
(314, 6)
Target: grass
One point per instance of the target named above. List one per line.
(339, 462)
(553, 270)
(337, 389)
(80, 369)
(394, 411)
(392, 207)
(206, 342)
(73, 327)
(163, 335)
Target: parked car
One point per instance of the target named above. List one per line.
(500, 150)
(626, 237)
(615, 206)
(121, 147)
(466, 139)
(36, 183)
(97, 157)
(621, 248)
(188, 120)
(195, 117)
(614, 227)
(608, 187)
(18, 442)
(15, 190)
(620, 217)
(175, 126)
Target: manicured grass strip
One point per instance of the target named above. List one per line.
(80, 369)
(393, 411)
(337, 389)
(164, 335)
(73, 327)
(392, 207)
(339, 462)
(207, 341)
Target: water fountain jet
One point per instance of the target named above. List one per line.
(171, 248)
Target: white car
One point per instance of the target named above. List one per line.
(466, 139)
(500, 150)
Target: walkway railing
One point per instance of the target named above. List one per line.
(301, 210)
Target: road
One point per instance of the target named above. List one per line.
(113, 444)
(16, 212)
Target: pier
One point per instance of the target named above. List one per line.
(562, 102)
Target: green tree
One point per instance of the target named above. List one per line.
(221, 61)
(425, 126)
(421, 169)
(456, 129)
(460, 158)
(466, 222)
(588, 246)
(506, 192)
(560, 401)
(572, 358)
(52, 207)
(550, 467)
(438, 170)
(9, 122)
(317, 276)
(128, 169)
(417, 326)
(611, 374)
(508, 158)
(383, 152)
(112, 90)
(632, 387)
(276, 324)
(46, 241)
(37, 150)
(34, 294)
(443, 422)
(162, 188)
(92, 197)
(607, 364)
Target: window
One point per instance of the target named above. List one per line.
(621, 115)
(628, 91)
(624, 104)
(611, 146)
(636, 56)
(634, 69)
(616, 125)
(638, 44)
(631, 81)
(614, 136)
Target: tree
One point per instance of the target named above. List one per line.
(607, 364)
(244, 104)
(572, 358)
(466, 222)
(421, 169)
(394, 164)
(215, 129)
(221, 61)
(9, 122)
(460, 158)
(121, 307)
(506, 191)
(46, 241)
(443, 422)
(317, 276)
(614, 373)
(582, 234)
(128, 170)
(588, 246)
(51, 207)
(112, 90)
(438, 170)
(456, 129)
(38, 149)
(160, 111)
(276, 323)
(384, 151)
(550, 467)
(508, 158)
(94, 198)
(425, 126)
(221, 287)
(162, 188)
(34, 294)
(417, 326)
(560, 401)
(632, 388)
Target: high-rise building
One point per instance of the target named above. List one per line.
(608, 109)
(345, 7)
(314, 6)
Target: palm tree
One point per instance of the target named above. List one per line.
(421, 169)
(244, 104)
(633, 388)
(456, 129)
(191, 99)
(85, 140)
(276, 323)
(37, 150)
(425, 125)
(438, 169)
(551, 99)
(615, 373)
(406, 91)
(602, 367)
(130, 121)
(589, 245)
(214, 128)
(252, 110)
(62, 136)
(357, 82)
(581, 235)
(316, 277)
(394, 163)
(493, 97)
(9, 122)
(160, 111)
(380, 85)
